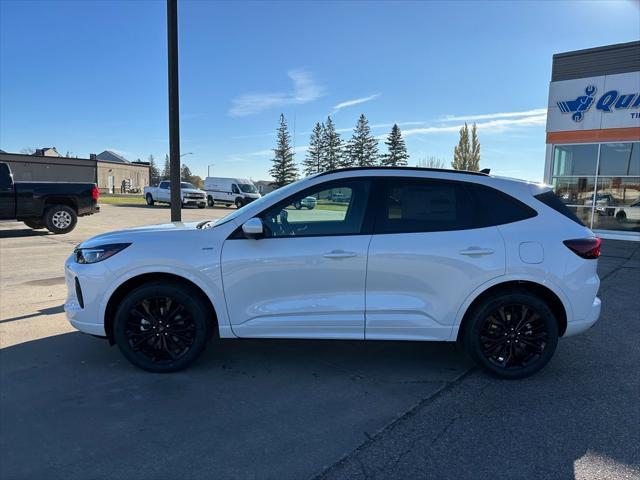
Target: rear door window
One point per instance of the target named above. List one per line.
(424, 205)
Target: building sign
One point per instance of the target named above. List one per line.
(610, 101)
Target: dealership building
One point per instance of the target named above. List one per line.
(593, 137)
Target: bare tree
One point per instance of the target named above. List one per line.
(28, 150)
(431, 162)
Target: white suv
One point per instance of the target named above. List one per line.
(499, 265)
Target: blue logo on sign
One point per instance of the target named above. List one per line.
(580, 105)
(608, 102)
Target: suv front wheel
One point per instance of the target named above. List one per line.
(511, 335)
(161, 327)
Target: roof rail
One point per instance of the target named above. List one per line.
(482, 173)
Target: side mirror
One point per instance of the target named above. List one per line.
(253, 228)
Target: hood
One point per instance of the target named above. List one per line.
(132, 234)
(193, 190)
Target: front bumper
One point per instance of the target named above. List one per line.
(93, 280)
(579, 326)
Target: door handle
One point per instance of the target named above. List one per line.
(477, 251)
(338, 254)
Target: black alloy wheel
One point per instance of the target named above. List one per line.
(512, 336)
(161, 328)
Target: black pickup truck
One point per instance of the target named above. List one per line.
(55, 206)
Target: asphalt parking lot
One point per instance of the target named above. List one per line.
(72, 407)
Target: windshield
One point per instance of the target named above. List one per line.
(248, 188)
(187, 185)
(256, 203)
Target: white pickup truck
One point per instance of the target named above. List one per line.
(189, 194)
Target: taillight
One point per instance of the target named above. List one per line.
(95, 193)
(588, 248)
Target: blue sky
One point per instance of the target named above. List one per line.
(89, 76)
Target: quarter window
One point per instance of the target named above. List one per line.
(496, 208)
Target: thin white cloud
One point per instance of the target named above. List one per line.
(497, 125)
(305, 90)
(489, 116)
(351, 103)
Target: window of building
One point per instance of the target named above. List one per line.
(604, 197)
(575, 160)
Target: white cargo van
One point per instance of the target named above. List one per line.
(228, 191)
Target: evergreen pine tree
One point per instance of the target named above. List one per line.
(397, 156)
(313, 161)
(283, 170)
(166, 171)
(332, 157)
(474, 154)
(362, 149)
(154, 173)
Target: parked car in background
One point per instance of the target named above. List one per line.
(605, 203)
(189, 195)
(500, 266)
(628, 212)
(55, 206)
(306, 202)
(230, 191)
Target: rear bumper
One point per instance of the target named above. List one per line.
(95, 208)
(578, 326)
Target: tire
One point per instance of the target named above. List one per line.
(149, 199)
(297, 205)
(34, 223)
(60, 219)
(239, 203)
(168, 349)
(621, 217)
(494, 328)
(210, 201)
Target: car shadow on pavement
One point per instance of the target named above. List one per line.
(44, 311)
(246, 409)
(23, 232)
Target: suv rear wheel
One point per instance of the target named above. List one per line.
(60, 219)
(511, 335)
(161, 327)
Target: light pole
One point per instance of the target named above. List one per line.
(174, 109)
(209, 169)
(185, 154)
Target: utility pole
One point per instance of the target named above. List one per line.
(174, 110)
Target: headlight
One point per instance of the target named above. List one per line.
(98, 254)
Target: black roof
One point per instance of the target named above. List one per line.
(419, 169)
